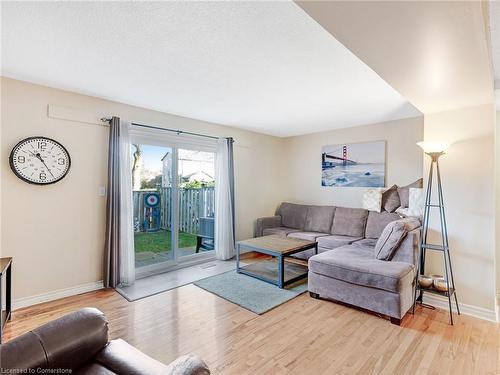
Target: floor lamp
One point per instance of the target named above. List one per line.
(435, 150)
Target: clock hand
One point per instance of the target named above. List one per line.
(40, 158)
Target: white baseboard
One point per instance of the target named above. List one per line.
(475, 311)
(56, 294)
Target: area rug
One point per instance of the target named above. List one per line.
(250, 293)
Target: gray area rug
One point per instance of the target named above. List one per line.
(250, 293)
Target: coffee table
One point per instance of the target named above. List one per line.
(281, 248)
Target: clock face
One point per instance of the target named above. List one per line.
(40, 160)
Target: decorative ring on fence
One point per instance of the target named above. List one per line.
(152, 200)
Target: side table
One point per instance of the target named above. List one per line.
(5, 269)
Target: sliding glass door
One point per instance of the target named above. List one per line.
(173, 202)
(152, 204)
(196, 187)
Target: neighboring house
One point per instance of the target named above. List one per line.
(197, 176)
(192, 165)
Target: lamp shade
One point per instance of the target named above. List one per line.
(430, 147)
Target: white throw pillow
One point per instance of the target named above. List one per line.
(372, 199)
(416, 204)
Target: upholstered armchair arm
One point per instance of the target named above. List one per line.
(266, 222)
(68, 343)
(122, 358)
(409, 247)
(79, 339)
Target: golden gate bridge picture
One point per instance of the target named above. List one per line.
(353, 165)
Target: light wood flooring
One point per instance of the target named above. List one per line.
(302, 336)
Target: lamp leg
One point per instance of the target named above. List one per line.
(447, 242)
(444, 234)
(423, 239)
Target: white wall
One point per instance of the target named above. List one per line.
(468, 176)
(59, 229)
(56, 233)
(435, 53)
(497, 196)
(303, 160)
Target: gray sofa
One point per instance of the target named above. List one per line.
(345, 268)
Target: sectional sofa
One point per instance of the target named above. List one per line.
(346, 268)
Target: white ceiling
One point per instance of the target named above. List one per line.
(435, 53)
(262, 66)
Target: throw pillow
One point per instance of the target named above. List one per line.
(390, 199)
(404, 192)
(372, 200)
(403, 212)
(416, 204)
(392, 236)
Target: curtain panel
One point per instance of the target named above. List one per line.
(224, 200)
(119, 260)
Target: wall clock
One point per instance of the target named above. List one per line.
(40, 160)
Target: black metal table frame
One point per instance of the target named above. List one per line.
(201, 245)
(8, 297)
(281, 283)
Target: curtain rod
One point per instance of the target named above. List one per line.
(179, 132)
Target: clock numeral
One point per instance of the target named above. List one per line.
(61, 161)
(21, 159)
(42, 145)
(43, 176)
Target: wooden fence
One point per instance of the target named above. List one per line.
(193, 204)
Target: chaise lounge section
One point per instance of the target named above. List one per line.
(346, 268)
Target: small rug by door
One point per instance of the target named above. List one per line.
(250, 293)
(162, 282)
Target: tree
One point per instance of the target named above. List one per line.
(154, 183)
(136, 168)
(195, 184)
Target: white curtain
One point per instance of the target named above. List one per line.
(224, 200)
(127, 255)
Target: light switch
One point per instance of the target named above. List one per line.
(102, 191)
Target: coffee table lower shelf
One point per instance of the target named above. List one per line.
(268, 271)
(282, 270)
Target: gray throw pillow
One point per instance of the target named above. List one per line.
(392, 235)
(404, 192)
(390, 199)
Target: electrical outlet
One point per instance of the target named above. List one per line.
(102, 191)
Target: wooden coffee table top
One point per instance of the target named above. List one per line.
(277, 244)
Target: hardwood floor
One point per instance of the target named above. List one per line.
(302, 336)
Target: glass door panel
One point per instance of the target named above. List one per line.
(196, 197)
(152, 204)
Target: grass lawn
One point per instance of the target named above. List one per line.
(160, 241)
